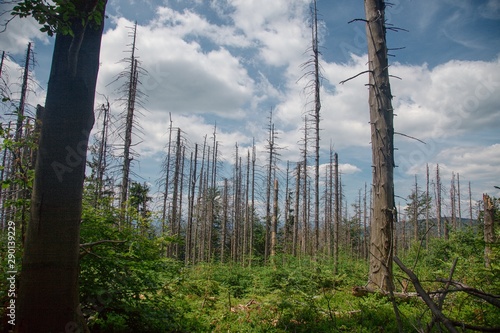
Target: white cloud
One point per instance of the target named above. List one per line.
(181, 77)
(19, 32)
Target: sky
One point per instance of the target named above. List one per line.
(230, 62)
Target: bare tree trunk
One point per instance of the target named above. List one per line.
(132, 91)
(102, 154)
(252, 206)
(337, 217)
(296, 211)
(178, 228)
(174, 218)
(167, 178)
(24, 91)
(415, 213)
(382, 138)
(459, 224)
(453, 199)
(274, 227)
(489, 228)
(365, 229)
(246, 223)
(268, 186)
(190, 241)
(225, 208)
(427, 233)
(438, 201)
(316, 116)
(287, 234)
(470, 206)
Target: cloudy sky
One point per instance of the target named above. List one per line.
(229, 62)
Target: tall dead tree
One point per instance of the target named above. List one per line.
(427, 208)
(225, 209)
(272, 150)
(470, 206)
(190, 240)
(312, 70)
(102, 153)
(274, 226)
(337, 216)
(438, 201)
(459, 201)
(252, 205)
(489, 231)
(296, 211)
(167, 176)
(453, 199)
(174, 220)
(305, 197)
(129, 124)
(316, 117)
(382, 139)
(24, 92)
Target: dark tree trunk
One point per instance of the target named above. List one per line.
(48, 293)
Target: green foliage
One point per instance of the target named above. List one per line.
(127, 286)
(57, 16)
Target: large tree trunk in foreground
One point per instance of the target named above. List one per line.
(382, 133)
(48, 294)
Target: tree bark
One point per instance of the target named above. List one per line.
(48, 293)
(382, 134)
(489, 232)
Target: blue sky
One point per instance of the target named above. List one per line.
(230, 61)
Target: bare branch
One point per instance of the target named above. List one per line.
(411, 137)
(355, 76)
(425, 297)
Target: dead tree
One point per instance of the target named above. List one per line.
(190, 240)
(470, 206)
(252, 205)
(427, 204)
(225, 209)
(274, 226)
(166, 167)
(382, 138)
(132, 93)
(489, 232)
(453, 199)
(459, 223)
(296, 211)
(337, 216)
(438, 201)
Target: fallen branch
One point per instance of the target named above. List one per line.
(475, 328)
(426, 298)
(459, 286)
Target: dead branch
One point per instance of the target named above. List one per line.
(355, 76)
(459, 286)
(475, 328)
(358, 19)
(425, 297)
(411, 137)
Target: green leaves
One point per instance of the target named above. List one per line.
(59, 16)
